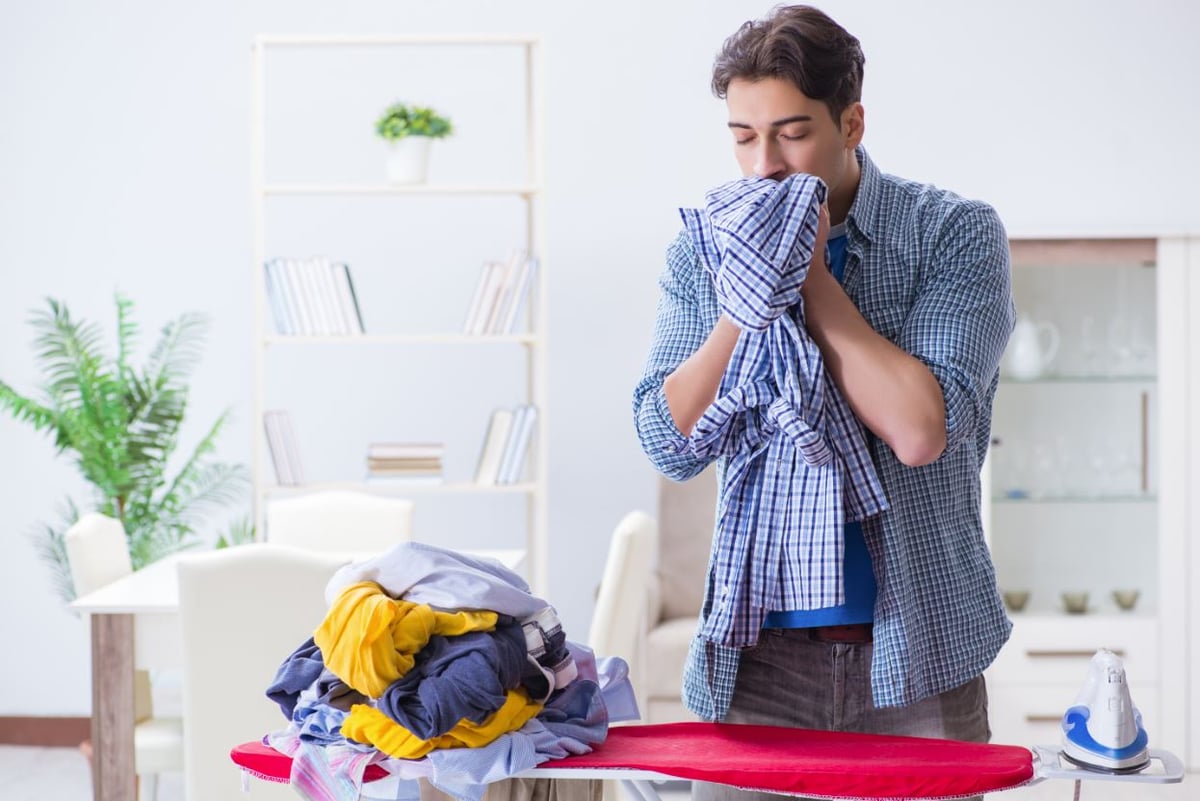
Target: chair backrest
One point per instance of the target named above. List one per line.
(619, 621)
(243, 610)
(686, 518)
(340, 521)
(97, 552)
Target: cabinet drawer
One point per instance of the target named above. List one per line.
(1022, 715)
(1057, 649)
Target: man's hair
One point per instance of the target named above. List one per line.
(800, 44)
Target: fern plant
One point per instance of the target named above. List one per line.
(121, 424)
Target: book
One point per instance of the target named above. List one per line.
(510, 444)
(283, 471)
(347, 299)
(506, 294)
(405, 450)
(494, 441)
(283, 447)
(485, 297)
(292, 446)
(404, 464)
(322, 272)
(524, 284)
(309, 275)
(299, 295)
(516, 466)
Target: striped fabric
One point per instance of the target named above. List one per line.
(794, 447)
(929, 271)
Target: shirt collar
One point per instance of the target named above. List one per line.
(865, 211)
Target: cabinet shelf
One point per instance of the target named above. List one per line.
(424, 190)
(1079, 499)
(401, 488)
(1103, 615)
(1147, 378)
(406, 339)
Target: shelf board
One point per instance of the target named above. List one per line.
(400, 488)
(404, 339)
(376, 189)
(1082, 499)
(310, 40)
(1083, 379)
(1107, 613)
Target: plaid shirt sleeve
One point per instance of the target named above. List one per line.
(679, 331)
(963, 315)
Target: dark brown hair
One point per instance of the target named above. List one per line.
(800, 44)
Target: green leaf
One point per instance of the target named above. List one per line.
(120, 425)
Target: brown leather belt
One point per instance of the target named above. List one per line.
(853, 632)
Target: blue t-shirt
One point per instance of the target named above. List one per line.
(859, 577)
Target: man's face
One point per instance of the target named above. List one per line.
(779, 131)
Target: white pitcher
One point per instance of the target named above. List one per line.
(1031, 349)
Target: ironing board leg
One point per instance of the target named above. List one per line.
(1078, 787)
(640, 789)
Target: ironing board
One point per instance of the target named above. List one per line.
(790, 761)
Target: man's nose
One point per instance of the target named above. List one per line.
(768, 161)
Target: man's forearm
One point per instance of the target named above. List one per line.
(893, 393)
(693, 385)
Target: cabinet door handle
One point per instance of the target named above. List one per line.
(1035, 654)
(1043, 718)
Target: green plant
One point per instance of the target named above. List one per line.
(401, 120)
(121, 424)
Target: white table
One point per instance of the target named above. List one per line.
(149, 599)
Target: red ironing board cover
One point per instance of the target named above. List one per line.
(775, 759)
(804, 761)
(267, 763)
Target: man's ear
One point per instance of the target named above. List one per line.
(853, 123)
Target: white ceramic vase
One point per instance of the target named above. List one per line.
(1031, 349)
(408, 159)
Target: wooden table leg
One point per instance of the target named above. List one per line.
(113, 777)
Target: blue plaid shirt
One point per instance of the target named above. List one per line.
(795, 449)
(930, 271)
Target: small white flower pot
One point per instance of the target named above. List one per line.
(408, 160)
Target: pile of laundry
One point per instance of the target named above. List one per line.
(438, 665)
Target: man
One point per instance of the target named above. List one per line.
(910, 314)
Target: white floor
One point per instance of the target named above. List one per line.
(61, 774)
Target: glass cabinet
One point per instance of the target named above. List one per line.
(1085, 484)
(1075, 429)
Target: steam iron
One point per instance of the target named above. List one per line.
(1103, 730)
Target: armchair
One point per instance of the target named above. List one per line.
(686, 517)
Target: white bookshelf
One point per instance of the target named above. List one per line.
(533, 342)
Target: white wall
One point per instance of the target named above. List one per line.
(125, 157)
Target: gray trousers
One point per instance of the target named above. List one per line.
(790, 679)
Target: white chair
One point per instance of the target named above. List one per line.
(242, 611)
(340, 521)
(620, 618)
(98, 554)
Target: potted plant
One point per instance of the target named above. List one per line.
(121, 425)
(409, 131)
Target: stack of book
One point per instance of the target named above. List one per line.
(408, 462)
(506, 446)
(285, 453)
(312, 297)
(500, 295)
